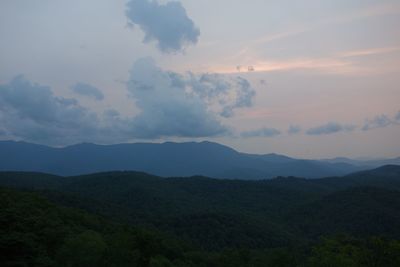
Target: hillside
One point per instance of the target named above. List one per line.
(36, 232)
(39, 232)
(167, 159)
(233, 213)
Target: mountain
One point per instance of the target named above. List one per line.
(166, 159)
(365, 163)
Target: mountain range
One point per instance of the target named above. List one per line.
(169, 159)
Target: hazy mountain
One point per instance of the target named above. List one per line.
(365, 163)
(166, 159)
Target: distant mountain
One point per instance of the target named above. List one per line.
(365, 163)
(166, 159)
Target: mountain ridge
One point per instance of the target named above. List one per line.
(162, 159)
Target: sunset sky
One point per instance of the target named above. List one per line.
(304, 78)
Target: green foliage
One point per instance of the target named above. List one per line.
(134, 219)
(36, 232)
(85, 249)
(347, 251)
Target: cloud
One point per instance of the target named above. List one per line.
(380, 121)
(263, 132)
(166, 109)
(171, 105)
(167, 24)
(220, 92)
(31, 112)
(182, 105)
(294, 129)
(88, 90)
(397, 118)
(330, 128)
(244, 98)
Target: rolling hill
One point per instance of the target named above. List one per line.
(219, 213)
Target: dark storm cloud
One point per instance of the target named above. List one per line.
(167, 24)
(330, 128)
(263, 132)
(88, 90)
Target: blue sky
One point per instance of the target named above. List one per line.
(325, 81)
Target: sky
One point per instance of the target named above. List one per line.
(304, 78)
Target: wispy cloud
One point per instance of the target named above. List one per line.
(381, 9)
(87, 90)
(329, 65)
(263, 132)
(381, 121)
(335, 63)
(330, 128)
(377, 10)
(338, 63)
(294, 129)
(371, 11)
(279, 36)
(369, 52)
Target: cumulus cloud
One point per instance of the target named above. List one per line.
(294, 129)
(380, 121)
(171, 105)
(263, 132)
(168, 24)
(222, 93)
(88, 90)
(244, 98)
(31, 112)
(183, 105)
(330, 128)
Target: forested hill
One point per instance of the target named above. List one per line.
(275, 222)
(166, 159)
(233, 213)
(37, 232)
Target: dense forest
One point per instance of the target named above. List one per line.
(136, 219)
